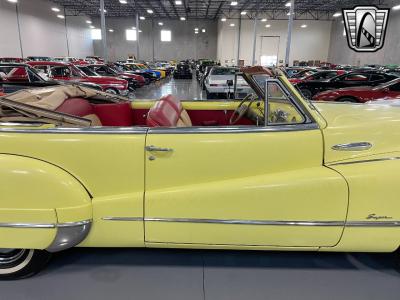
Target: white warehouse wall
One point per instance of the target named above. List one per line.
(311, 43)
(42, 33)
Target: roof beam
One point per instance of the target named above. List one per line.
(218, 10)
(174, 8)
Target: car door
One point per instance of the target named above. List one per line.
(243, 186)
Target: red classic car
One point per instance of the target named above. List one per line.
(68, 72)
(320, 75)
(105, 70)
(362, 94)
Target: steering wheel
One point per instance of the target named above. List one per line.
(242, 109)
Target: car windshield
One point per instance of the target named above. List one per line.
(87, 71)
(386, 84)
(223, 71)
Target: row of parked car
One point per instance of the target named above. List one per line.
(121, 78)
(347, 85)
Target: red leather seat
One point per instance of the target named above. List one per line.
(163, 113)
(114, 114)
(76, 106)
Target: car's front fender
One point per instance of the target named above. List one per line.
(41, 205)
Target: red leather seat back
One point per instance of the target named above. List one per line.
(114, 114)
(163, 113)
(174, 102)
(76, 106)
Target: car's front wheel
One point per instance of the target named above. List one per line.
(21, 263)
(347, 100)
(306, 93)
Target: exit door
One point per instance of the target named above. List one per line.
(269, 51)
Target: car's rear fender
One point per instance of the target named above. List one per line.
(41, 206)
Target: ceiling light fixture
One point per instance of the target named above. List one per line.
(264, 20)
(160, 23)
(61, 16)
(303, 26)
(268, 25)
(396, 7)
(13, 1)
(89, 22)
(232, 25)
(182, 18)
(142, 18)
(111, 30)
(203, 30)
(223, 19)
(123, 1)
(243, 13)
(178, 2)
(234, 3)
(55, 9)
(134, 28)
(91, 26)
(150, 11)
(288, 4)
(338, 14)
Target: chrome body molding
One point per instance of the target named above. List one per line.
(129, 219)
(86, 130)
(365, 161)
(26, 225)
(232, 129)
(359, 146)
(279, 223)
(69, 235)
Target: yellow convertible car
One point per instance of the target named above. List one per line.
(271, 172)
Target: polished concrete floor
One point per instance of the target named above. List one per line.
(184, 89)
(212, 275)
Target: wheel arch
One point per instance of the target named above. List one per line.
(43, 206)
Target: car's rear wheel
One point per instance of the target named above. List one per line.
(307, 93)
(21, 263)
(348, 100)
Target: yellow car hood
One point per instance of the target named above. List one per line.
(352, 123)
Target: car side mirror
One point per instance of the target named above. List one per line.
(229, 82)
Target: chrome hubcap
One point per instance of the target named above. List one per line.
(8, 256)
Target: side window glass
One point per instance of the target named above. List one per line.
(281, 108)
(356, 77)
(395, 87)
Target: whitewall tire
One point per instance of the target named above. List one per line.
(21, 263)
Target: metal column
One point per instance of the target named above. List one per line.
(66, 31)
(137, 37)
(103, 30)
(152, 34)
(253, 62)
(289, 35)
(19, 31)
(238, 39)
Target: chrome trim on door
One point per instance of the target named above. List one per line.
(152, 148)
(364, 161)
(129, 219)
(279, 223)
(247, 222)
(86, 130)
(232, 129)
(359, 146)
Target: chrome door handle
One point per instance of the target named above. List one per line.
(359, 146)
(158, 149)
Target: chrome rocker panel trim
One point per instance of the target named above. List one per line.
(128, 219)
(87, 130)
(279, 223)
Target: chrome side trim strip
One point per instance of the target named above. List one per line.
(86, 130)
(131, 219)
(232, 129)
(373, 224)
(44, 225)
(279, 223)
(359, 146)
(26, 225)
(248, 222)
(364, 161)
